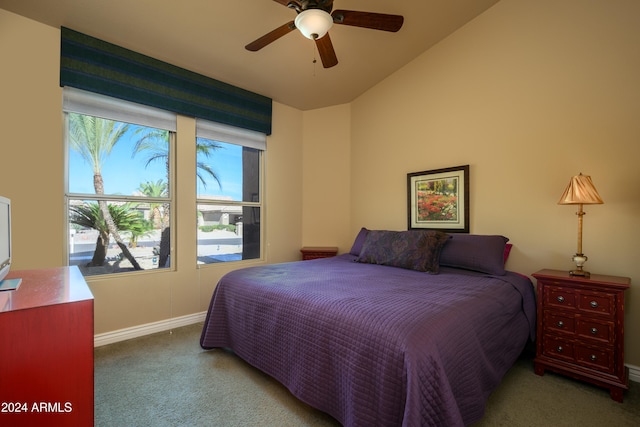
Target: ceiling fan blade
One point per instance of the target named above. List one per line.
(271, 37)
(374, 21)
(326, 51)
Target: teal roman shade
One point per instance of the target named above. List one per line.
(94, 65)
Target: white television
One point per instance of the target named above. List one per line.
(5, 236)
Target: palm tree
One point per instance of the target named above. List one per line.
(94, 138)
(206, 147)
(139, 228)
(155, 189)
(155, 144)
(90, 216)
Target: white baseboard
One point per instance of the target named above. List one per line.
(634, 373)
(147, 329)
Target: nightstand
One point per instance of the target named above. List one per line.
(580, 330)
(313, 252)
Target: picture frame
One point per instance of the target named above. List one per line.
(439, 199)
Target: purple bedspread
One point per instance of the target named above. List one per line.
(374, 345)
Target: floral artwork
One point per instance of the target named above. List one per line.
(439, 199)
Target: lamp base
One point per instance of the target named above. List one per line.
(579, 259)
(580, 273)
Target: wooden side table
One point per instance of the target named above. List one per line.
(314, 252)
(580, 328)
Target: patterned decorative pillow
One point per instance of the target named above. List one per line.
(435, 242)
(414, 249)
(485, 254)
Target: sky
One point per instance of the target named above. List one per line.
(123, 174)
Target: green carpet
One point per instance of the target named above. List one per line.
(166, 379)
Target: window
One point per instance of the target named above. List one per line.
(118, 195)
(229, 192)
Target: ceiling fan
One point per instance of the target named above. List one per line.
(314, 19)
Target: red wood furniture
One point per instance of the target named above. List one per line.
(313, 252)
(581, 328)
(46, 350)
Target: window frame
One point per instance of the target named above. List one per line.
(217, 132)
(91, 104)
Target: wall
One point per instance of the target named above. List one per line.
(326, 177)
(31, 119)
(284, 185)
(32, 175)
(528, 94)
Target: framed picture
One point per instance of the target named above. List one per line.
(439, 199)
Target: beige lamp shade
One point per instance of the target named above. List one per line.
(580, 191)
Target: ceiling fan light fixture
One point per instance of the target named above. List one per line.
(313, 23)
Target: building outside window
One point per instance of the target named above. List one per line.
(229, 193)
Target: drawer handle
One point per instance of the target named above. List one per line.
(594, 331)
(594, 304)
(560, 298)
(593, 358)
(560, 323)
(559, 349)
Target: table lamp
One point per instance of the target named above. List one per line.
(580, 191)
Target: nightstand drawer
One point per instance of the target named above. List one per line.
(596, 358)
(600, 303)
(595, 330)
(555, 296)
(557, 321)
(558, 348)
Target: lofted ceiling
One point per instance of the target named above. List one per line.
(208, 37)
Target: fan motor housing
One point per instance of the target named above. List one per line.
(326, 5)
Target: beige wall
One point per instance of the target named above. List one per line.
(326, 177)
(32, 175)
(528, 94)
(284, 185)
(31, 157)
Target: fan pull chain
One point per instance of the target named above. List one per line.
(315, 61)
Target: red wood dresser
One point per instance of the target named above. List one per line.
(46, 350)
(581, 328)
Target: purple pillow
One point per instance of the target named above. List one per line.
(414, 249)
(357, 244)
(485, 254)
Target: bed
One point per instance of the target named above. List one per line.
(376, 337)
